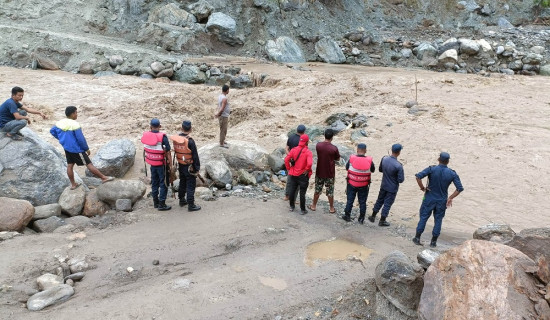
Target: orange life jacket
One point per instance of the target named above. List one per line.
(181, 149)
(359, 171)
(152, 145)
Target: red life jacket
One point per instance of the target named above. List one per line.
(152, 145)
(359, 171)
(181, 149)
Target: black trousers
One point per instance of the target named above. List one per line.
(294, 182)
(188, 183)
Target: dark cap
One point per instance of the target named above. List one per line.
(301, 128)
(155, 122)
(396, 147)
(444, 156)
(362, 146)
(186, 124)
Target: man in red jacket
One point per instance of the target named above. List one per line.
(298, 163)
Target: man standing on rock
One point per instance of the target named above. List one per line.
(298, 162)
(359, 169)
(188, 166)
(69, 134)
(223, 115)
(392, 176)
(158, 156)
(13, 115)
(292, 143)
(327, 155)
(435, 195)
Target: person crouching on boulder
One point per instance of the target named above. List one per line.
(69, 134)
(157, 155)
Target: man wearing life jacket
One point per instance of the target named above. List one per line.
(359, 169)
(392, 176)
(157, 155)
(188, 163)
(298, 162)
(435, 199)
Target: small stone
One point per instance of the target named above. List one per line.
(228, 186)
(75, 276)
(123, 205)
(50, 296)
(411, 104)
(78, 264)
(70, 282)
(156, 262)
(76, 236)
(130, 269)
(266, 189)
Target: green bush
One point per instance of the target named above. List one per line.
(542, 3)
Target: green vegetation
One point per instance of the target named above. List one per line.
(542, 3)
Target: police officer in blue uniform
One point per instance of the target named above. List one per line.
(435, 199)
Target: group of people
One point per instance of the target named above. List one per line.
(360, 166)
(298, 162)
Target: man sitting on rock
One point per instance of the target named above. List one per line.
(69, 134)
(13, 115)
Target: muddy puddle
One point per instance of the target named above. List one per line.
(336, 249)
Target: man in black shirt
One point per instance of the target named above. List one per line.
(291, 143)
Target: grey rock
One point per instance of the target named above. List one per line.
(338, 126)
(469, 5)
(276, 159)
(468, 46)
(427, 257)
(545, 70)
(201, 10)
(329, 51)
(214, 72)
(219, 172)
(357, 135)
(246, 177)
(516, 65)
(72, 201)
(48, 280)
(240, 82)
(504, 24)
(115, 60)
(121, 189)
(86, 67)
(400, 280)
(114, 158)
(411, 104)
(46, 211)
(262, 176)
(450, 55)
(147, 76)
(495, 232)
(356, 52)
(157, 67)
(78, 264)
(219, 80)
(345, 153)
(100, 74)
(45, 62)
(284, 50)
(532, 58)
(67, 228)
(239, 155)
(15, 214)
(75, 276)
(224, 27)
(93, 206)
(32, 169)
(123, 205)
(79, 221)
(425, 50)
(538, 49)
(172, 14)
(406, 52)
(500, 50)
(166, 73)
(507, 71)
(49, 297)
(6, 235)
(48, 225)
(91, 181)
(190, 74)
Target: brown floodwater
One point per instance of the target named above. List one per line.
(335, 249)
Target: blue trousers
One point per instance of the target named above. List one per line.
(188, 183)
(426, 209)
(385, 199)
(362, 194)
(157, 182)
(14, 126)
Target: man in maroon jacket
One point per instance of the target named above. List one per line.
(298, 162)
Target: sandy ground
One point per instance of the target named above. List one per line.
(494, 128)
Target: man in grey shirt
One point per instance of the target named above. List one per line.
(223, 114)
(393, 175)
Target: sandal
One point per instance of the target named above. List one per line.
(74, 187)
(311, 208)
(332, 212)
(14, 137)
(108, 179)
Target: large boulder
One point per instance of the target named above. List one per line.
(219, 172)
(239, 155)
(329, 51)
(49, 224)
(49, 297)
(32, 169)
(93, 206)
(535, 243)
(121, 189)
(190, 74)
(172, 14)
(481, 280)
(224, 27)
(425, 50)
(545, 70)
(15, 214)
(48, 280)
(115, 158)
(276, 160)
(450, 55)
(72, 201)
(246, 177)
(496, 232)
(284, 50)
(533, 58)
(46, 211)
(201, 10)
(468, 46)
(400, 280)
(426, 257)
